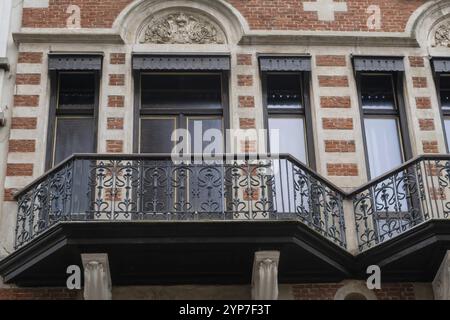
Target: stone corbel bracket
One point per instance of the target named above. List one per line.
(97, 277)
(265, 275)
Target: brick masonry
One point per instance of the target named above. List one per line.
(9, 194)
(337, 123)
(269, 15)
(19, 169)
(116, 101)
(389, 291)
(117, 58)
(430, 146)
(28, 79)
(331, 61)
(24, 123)
(115, 123)
(26, 100)
(248, 146)
(247, 123)
(416, 62)
(30, 57)
(335, 102)
(246, 102)
(245, 80)
(340, 146)
(342, 169)
(426, 124)
(244, 59)
(333, 81)
(423, 103)
(116, 79)
(114, 146)
(40, 294)
(16, 145)
(420, 82)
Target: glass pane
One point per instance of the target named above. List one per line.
(206, 135)
(181, 91)
(74, 135)
(377, 92)
(447, 132)
(291, 137)
(445, 91)
(383, 145)
(76, 89)
(284, 91)
(156, 135)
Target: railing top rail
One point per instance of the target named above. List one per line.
(396, 170)
(190, 157)
(232, 157)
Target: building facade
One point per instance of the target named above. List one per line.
(357, 92)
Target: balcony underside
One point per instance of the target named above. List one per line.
(168, 253)
(414, 256)
(164, 253)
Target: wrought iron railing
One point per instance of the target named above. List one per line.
(400, 200)
(153, 187)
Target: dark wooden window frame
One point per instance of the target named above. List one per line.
(445, 114)
(304, 112)
(73, 111)
(399, 112)
(141, 113)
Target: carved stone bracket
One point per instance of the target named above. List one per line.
(182, 28)
(441, 283)
(265, 275)
(97, 277)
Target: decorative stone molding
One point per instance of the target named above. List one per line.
(182, 28)
(265, 275)
(441, 283)
(355, 287)
(97, 277)
(441, 36)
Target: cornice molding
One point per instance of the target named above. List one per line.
(325, 39)
(59, 35)
(4, 64)
(109, 36)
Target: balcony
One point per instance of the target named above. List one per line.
(154, 188)
(200, 220)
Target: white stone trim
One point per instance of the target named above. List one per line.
(35, 3)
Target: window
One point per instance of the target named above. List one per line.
(287, 110)
(443, 83)
(385, 126)
(73, 114)
(183, 100)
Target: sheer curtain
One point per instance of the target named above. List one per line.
(383, 145)
(291, 137)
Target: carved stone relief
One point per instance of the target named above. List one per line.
(182, 28)
(441, 36)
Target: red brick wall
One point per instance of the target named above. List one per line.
(94, 13)
(260, 14)
(389, 291)
(40, 294)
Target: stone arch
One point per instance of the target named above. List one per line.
(355, 290)
(214, 20)
(430, 25)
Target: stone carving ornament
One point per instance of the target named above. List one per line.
(442, 35)
(181, 28)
